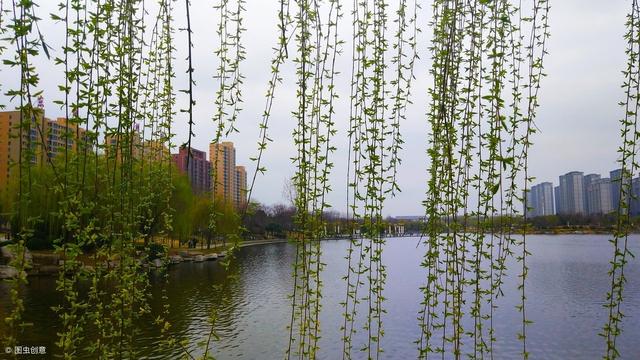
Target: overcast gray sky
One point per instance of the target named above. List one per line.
(578, 118)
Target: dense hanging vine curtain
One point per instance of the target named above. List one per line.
(114, 180)
(383, 54)
(487, 67)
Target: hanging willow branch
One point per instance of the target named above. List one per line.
(481, 119)
(228, 101)
(109, 197)
(3, 29)
(23, 22)
(630, 135)
(316, 51)
(74, 234)
(231, 53)
(281, 54)
(189, 91)
(374, 155)
(405, 36)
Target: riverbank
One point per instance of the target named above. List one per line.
(49, 263)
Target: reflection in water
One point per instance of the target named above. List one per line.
(566, 287)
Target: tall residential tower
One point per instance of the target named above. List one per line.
(571, 194)
(46, 137)
(540, 200)
(199, 168)
(229, 181)
(598, 194)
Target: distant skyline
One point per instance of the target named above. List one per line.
(580, 193)
(577, 121)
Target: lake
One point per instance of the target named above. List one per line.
(566, 288)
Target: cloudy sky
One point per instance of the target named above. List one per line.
(577, 120)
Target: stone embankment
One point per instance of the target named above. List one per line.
(49, 263)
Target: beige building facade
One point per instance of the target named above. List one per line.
(46, 138)
(229, 182)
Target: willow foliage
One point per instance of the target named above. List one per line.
(316, 42)
(628, 161)
(111, 178)
(487, 67)
(377, 84)
(24, 45)
(228, 97)
(114, 180)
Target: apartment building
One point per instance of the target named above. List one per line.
(46, 137)
(229, 182)
(199, 171)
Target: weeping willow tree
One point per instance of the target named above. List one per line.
(113, 175)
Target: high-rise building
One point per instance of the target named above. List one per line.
(132, 141)
(155, 150)
(241, 187)
(598, 194)
(229, 181)
(50, 137)
(616, 184)
(589, 207)
(540, 200)
(571, 191)
(60, 130)
(10, 142)
(223, 170)
(558, 201)
(199, 168)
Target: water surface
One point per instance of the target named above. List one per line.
(566, 290)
